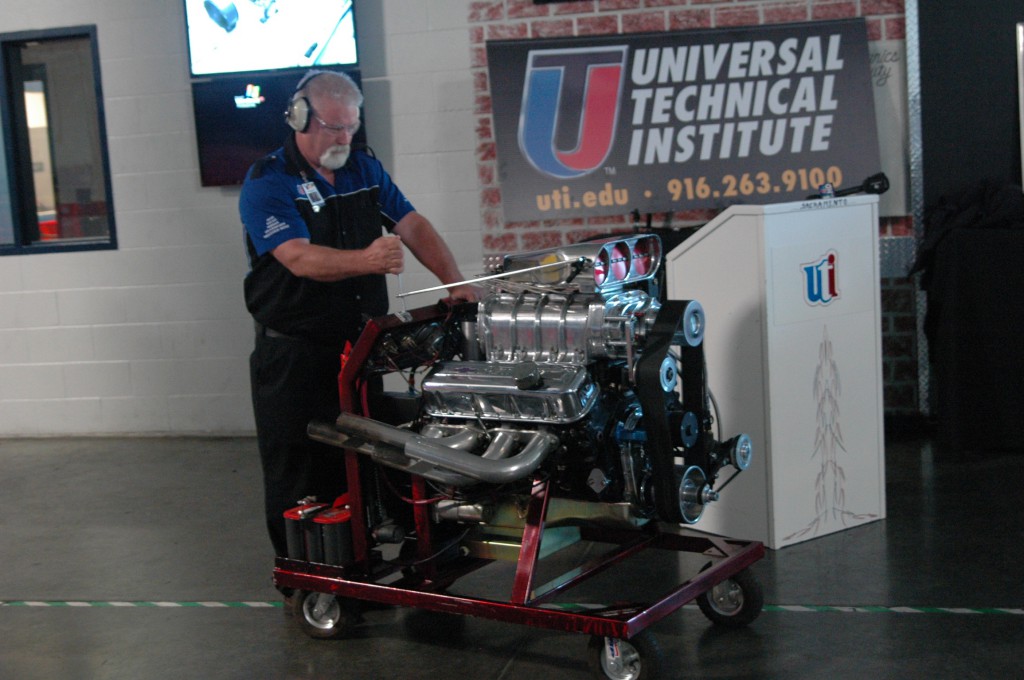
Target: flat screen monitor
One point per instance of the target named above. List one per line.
(245, 36)
(239, 119)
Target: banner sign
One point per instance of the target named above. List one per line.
(658, 122)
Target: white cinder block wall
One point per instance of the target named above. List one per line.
(153, 337)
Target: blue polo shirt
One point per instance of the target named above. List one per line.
(276, 205)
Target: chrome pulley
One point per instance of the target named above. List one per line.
(694, 494)
(669, 374)
(692, 323)
(741, 451)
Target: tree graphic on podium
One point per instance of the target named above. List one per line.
(830, 481)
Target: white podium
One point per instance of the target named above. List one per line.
(793, 347)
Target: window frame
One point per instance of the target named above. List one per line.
(17, 152)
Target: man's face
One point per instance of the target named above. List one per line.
(329, 137)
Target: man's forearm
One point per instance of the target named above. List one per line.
(321, 263)
(428, 247)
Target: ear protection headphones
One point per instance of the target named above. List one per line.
(299, 109)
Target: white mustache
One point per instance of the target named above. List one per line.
(335, 157)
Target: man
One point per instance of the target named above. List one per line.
(314, 213)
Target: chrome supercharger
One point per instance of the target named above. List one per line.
(569, 400)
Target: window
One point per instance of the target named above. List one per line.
(55, 185)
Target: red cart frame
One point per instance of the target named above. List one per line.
(371, 578)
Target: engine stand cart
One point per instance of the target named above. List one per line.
(726, 591)
(427, 571)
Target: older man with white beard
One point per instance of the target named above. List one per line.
(315, 213)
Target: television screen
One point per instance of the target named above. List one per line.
(244, 36)
(239, 119)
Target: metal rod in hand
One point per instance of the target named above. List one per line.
(400, 293)
(500, 275)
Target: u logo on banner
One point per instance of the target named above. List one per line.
(570, 91)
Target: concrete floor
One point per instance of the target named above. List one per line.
(145, 559)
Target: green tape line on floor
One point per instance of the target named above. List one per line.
(783, 608)
(165, 605)
(874, 609)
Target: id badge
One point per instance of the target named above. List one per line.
(313, 194)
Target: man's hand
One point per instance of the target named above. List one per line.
(385, 255)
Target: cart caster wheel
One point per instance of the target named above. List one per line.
(733, 603)
(324, 616)
(639, 658)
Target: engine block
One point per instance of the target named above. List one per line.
(569, 369)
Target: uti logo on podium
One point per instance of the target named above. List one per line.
(820, 279)
(548, 112)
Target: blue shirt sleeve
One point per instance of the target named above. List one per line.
(268, 211)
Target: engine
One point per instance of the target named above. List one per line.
(569, 370)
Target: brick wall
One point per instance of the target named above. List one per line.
(899, 346)
(522, 19)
